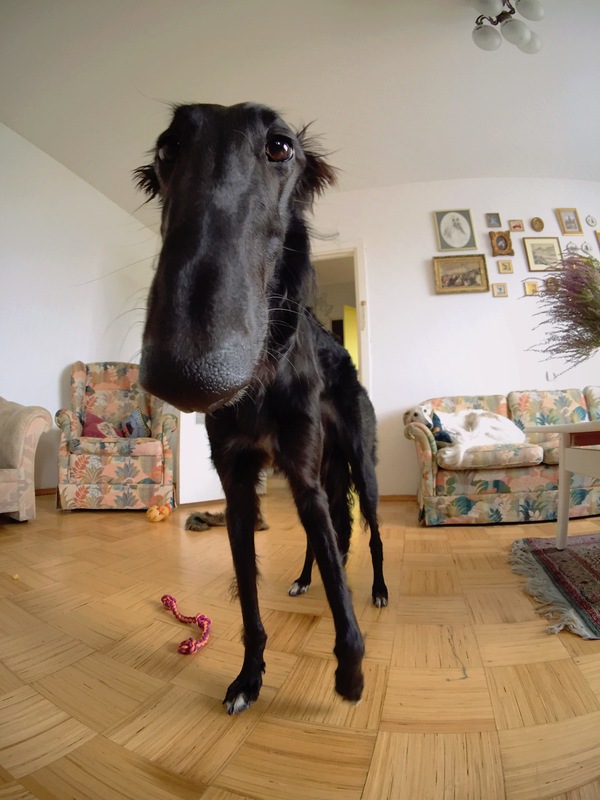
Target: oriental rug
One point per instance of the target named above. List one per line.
(565, 582)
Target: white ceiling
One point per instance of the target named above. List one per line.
(396, 87)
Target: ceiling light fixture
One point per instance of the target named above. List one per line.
(502, 13)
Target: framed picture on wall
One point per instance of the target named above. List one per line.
(493, 219)
(568, 219)
(454, 230)
(500, 289)
(501, 243)
(543, 253)
(455, 274)
(505, 266)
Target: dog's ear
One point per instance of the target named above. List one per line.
(406, 417)
(317, 175)
(146, 180)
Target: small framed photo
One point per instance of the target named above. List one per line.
(501, 243)
(455, 274)
(531, 287)
(454, 230)
(493, 220)
(543, 253)
(505, 267)
(598, 237)
(500, 289)
(537, 223)
(568, 219)
(516, 225)
(551, 285)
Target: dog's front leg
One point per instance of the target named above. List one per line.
(239, 477)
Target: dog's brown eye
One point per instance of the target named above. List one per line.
(167, 152)
(279, 148)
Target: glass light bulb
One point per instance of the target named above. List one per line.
(531, 9)
(534, 45)
(489, 7)
(515, 31)
(486, 37)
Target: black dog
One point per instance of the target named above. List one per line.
(229, 332)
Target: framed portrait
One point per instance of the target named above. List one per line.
(493, 219)
(516, 225)
(454, 230)
(505, 267)
(537, 223)
(531, 287)
(501, 243)
(500, 289)
(454, 274)
(568, 219)
(598, 237)
(551, 285)
(543, 253)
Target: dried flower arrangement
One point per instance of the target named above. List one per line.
(572, 310)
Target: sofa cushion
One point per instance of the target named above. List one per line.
(592, 398)
(115, 446)
(550, 407)
(490, 456)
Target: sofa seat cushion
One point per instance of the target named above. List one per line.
(88, 469)
(539, 478)
(493, 455)
(116, 446)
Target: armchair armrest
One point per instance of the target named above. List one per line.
(426, 450)
(69, 424)
(20, 429)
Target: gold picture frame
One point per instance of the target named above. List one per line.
(532, 287)
(505, 266)
(500, 289)
(501, 243)
(543, 253)
(570, 224)
(460, 274)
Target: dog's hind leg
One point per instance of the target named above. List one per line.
(313, 510)
(335, 477)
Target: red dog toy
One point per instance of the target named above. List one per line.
(190, 645)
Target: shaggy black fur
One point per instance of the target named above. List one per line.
(229, 332)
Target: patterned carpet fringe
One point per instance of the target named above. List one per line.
(541, 587)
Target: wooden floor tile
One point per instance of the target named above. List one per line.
(518, 643)
(34, 732)
(116, 690)
(521, 695)
(304, 761)
(543, 761)
(494, 605)
(438, 646)
(437, 701)
(100, 770)
(308, 695)
(435, 766)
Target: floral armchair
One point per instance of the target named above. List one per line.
(116, 441)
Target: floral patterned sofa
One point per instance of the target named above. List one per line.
(116, 441)
(505, 482)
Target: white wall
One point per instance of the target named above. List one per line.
(74, 271)
(425, 345)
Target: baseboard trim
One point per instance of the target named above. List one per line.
(398, 498)
(42, 492)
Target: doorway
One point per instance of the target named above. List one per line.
(340, 305)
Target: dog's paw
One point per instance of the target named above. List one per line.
(298, 588)
(242, 693)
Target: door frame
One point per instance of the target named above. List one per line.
(321, 251)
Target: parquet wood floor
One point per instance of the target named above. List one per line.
(467, 697)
